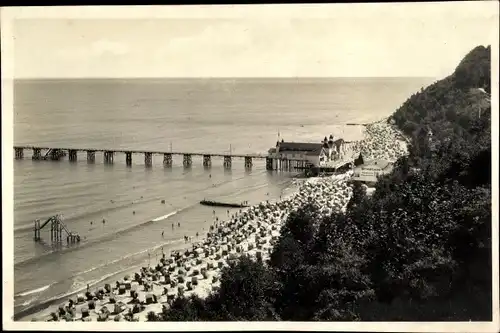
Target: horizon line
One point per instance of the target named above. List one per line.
(216, 77)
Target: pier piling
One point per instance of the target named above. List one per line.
(128, 158)
(37, 230)
(108, 157)
(207, 161)
(148, 159)
(227, 162)
(55, 154)
(19, 153)
(90, 156)
(187, 160)
(37, 154)
(269, 163)
(167, 160)
(248, 162)
(72, 155)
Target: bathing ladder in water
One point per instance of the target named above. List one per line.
(57, 230)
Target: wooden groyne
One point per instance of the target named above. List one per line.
(222, 204)
(57, 154)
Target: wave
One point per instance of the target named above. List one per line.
(101, 239)
(34, 291)
(163, 217)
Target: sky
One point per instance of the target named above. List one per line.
(362, 40)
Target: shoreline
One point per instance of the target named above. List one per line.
(42, 309)
(252, 231)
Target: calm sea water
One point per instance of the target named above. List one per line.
(194, 115)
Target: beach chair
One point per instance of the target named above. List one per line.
(150, 298)
(80, 298)
(119, 308)
(85, 312)
(103, 314)
(194, 280)
(61, 310)
(121, 289)
(53, 317)
(180, 290)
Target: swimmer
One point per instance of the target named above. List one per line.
(172, 226)
(178, 224)
(196, 234)
(210, 176)
(91, 222)
(103, 221)
(162, 233)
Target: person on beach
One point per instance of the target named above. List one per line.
(196, 234)
(178, 224)
(91, 222)
(103, 221)
(162, 233)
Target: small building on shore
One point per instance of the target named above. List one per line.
(368, 172)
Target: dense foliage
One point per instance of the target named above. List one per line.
(418, 249)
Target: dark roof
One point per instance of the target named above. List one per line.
(338, 143)
(316, 152)
(299, 146)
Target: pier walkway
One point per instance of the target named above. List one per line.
(57, 153)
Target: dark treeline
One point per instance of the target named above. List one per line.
(419, 248)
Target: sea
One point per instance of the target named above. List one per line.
(148, 211)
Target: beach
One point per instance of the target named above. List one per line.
(195, 266)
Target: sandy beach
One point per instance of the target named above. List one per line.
(196, 266)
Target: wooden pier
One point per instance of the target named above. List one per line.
(108, 155)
